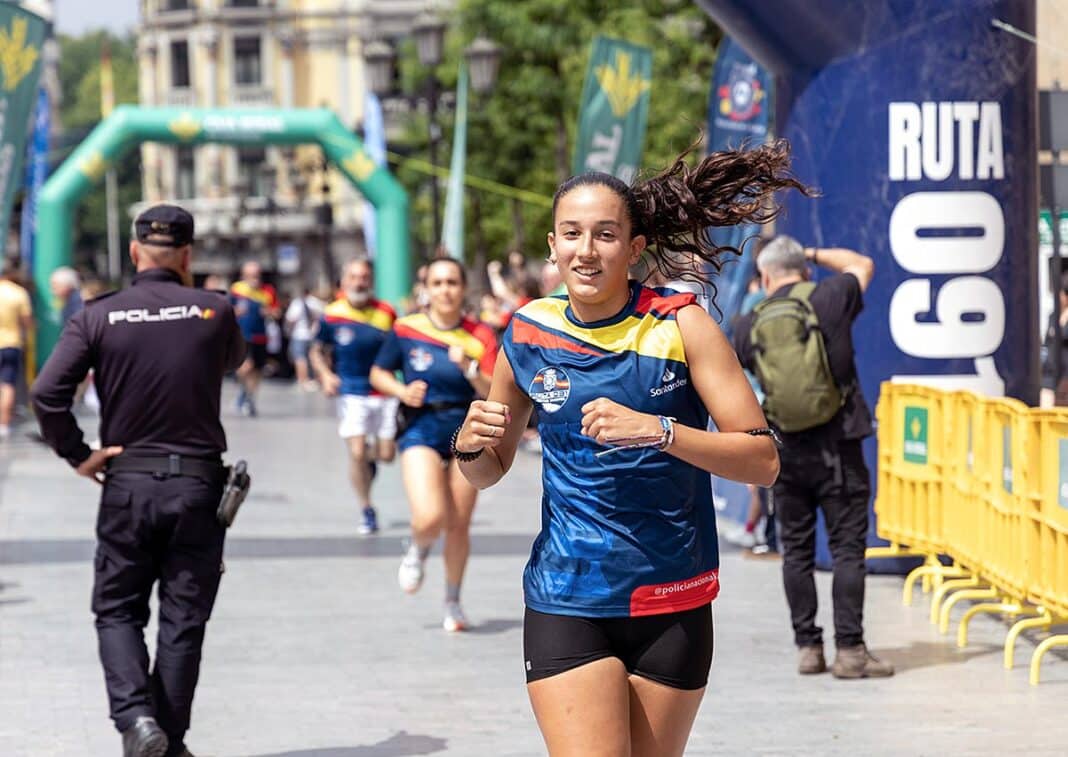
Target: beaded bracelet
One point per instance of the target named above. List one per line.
(661, 441)
(767, 431)
(463, 457)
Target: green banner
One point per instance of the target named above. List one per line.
(914, 444)
(21, 35)
(615, 104)
(452, 236)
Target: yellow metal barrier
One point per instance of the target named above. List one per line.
(985, 482)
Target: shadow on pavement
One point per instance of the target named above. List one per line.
(926, 654)
(400, 744)
(496, 625)
(46, 551)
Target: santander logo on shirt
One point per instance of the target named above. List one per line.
(668, 383)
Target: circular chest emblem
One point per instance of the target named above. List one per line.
(344, 336)
(550, 388)
(420, 359)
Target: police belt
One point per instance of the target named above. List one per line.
(211, 471)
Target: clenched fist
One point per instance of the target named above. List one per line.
(484, 426)
(414, 394)
(609, 422)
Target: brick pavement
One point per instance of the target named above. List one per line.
(314, 651)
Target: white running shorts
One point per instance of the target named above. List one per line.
(367, 416)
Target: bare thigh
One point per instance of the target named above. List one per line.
(660, 718)
(585, 711)
(426, 483)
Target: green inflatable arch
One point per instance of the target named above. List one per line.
(129, 126)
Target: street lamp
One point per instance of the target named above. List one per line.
(429, 32)
(483, 59)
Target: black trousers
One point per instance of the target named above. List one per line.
(155, 528)
(837, 482)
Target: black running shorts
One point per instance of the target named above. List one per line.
(674, 649)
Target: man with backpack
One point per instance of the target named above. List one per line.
(798, 343)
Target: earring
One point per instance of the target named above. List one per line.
(551, 259)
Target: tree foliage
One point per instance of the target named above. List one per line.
(79, 75)
(522, 134)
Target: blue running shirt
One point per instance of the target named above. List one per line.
(420, 350)
(355, 335)
(634, 532)
(249, 304)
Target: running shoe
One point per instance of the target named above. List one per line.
(369, 524)
(410, 574)
(454, 618)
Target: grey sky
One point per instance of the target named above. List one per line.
(79, 16)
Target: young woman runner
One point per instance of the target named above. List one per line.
(618, 626)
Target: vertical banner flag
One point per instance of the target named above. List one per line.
(452, 233)
(107, 81)
(374, 143)
(615, 104)
(36, 173)
(738, 108)
(21, 36)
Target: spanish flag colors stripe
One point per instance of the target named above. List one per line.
(419, 327)
(656, 337)
(378, 315)
(264, 296)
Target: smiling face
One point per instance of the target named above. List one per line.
(445, 288)
(593, 248)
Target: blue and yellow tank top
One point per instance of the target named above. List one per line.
(633, 532)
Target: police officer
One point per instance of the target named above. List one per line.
(159, 350)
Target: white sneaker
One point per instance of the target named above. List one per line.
(739, 537)
(410, 573)
(5, 432)
(454, 618)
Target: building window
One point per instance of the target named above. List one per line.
(180, 64)
(177, 5)
(247, 61)
(243, 3)
(250, 162)
(185, 173)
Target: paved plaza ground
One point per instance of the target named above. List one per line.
(313, 650)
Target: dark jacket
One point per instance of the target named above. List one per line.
(158, 351)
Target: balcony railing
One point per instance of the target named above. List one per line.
(181, 98)
(251, 97)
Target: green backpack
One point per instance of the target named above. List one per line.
(790, 361)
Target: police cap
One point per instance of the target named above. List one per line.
(164, 226)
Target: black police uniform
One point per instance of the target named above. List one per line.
(159, 351)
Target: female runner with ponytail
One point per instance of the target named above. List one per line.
(618, 626)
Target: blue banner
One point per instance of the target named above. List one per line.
(738, 107)
(36, 173)
(374, 142)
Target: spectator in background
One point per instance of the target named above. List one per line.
(1055, 387)
(216, 283)
(255, 303)
(552, 283)
(16, 320)
(823, 465)
(65, 284)
(302, 319)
